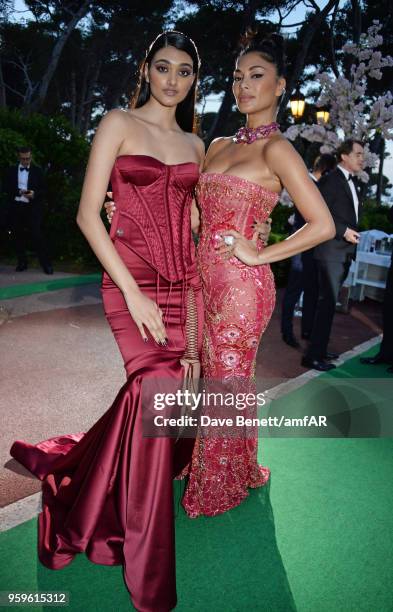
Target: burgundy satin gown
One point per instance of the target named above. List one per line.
(108, 492)
(238, 301)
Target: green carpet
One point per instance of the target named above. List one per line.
(355, 398)
(14, 291)
(318, 539)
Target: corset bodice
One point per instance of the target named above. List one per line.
(231, 202)
(153, 211)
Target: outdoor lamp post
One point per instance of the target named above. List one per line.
(323, 115)
(298, 103)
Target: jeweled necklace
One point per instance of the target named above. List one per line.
(247, 135)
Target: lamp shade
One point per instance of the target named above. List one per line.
(323, 115)
(298, 104)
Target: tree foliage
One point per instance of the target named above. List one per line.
(64, 67)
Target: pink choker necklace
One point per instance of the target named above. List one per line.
(248, 135)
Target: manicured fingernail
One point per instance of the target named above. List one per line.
(145, 339)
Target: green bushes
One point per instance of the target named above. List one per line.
(375, 217)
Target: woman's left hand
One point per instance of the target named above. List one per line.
(243, 249)
(263, 230)
(109, 206)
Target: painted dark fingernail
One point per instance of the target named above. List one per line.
(145, 339)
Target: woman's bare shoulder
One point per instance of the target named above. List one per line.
(279, 150)
(278, 146)
(128, 117)
(220, 142)
(217, 145)
(115, 119)
(283, 159)
(116, 114)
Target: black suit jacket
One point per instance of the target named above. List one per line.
(337, 194)
(35, 182)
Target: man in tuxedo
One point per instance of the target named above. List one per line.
(385, 353)
(25, 186)
(333, 257)
(303, 275)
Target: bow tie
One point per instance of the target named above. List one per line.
(23, 168)
(350, 178)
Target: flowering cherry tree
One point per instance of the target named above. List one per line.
(353, 113)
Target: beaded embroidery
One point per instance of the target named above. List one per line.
(247, 135)
(239, 301)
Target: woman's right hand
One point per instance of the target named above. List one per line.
(146, 313)
(110, 207)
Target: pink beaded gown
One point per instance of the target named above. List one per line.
(238, 303)
(108, 492)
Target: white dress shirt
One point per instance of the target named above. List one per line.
(23, 179)
(351, 185)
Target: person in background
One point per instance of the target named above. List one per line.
(303, 274)
(333, 257)
(385, 353)
(25, 188)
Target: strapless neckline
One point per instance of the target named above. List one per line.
(155, 159)
(153, 211)
(242, 180)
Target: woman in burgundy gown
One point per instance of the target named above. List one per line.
(108, 492)
(242, 178)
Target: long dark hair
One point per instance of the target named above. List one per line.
(185, 111)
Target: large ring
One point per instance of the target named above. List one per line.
(229, 240)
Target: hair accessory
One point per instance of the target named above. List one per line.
(248, 135)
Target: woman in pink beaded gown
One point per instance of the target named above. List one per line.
(240, 184)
